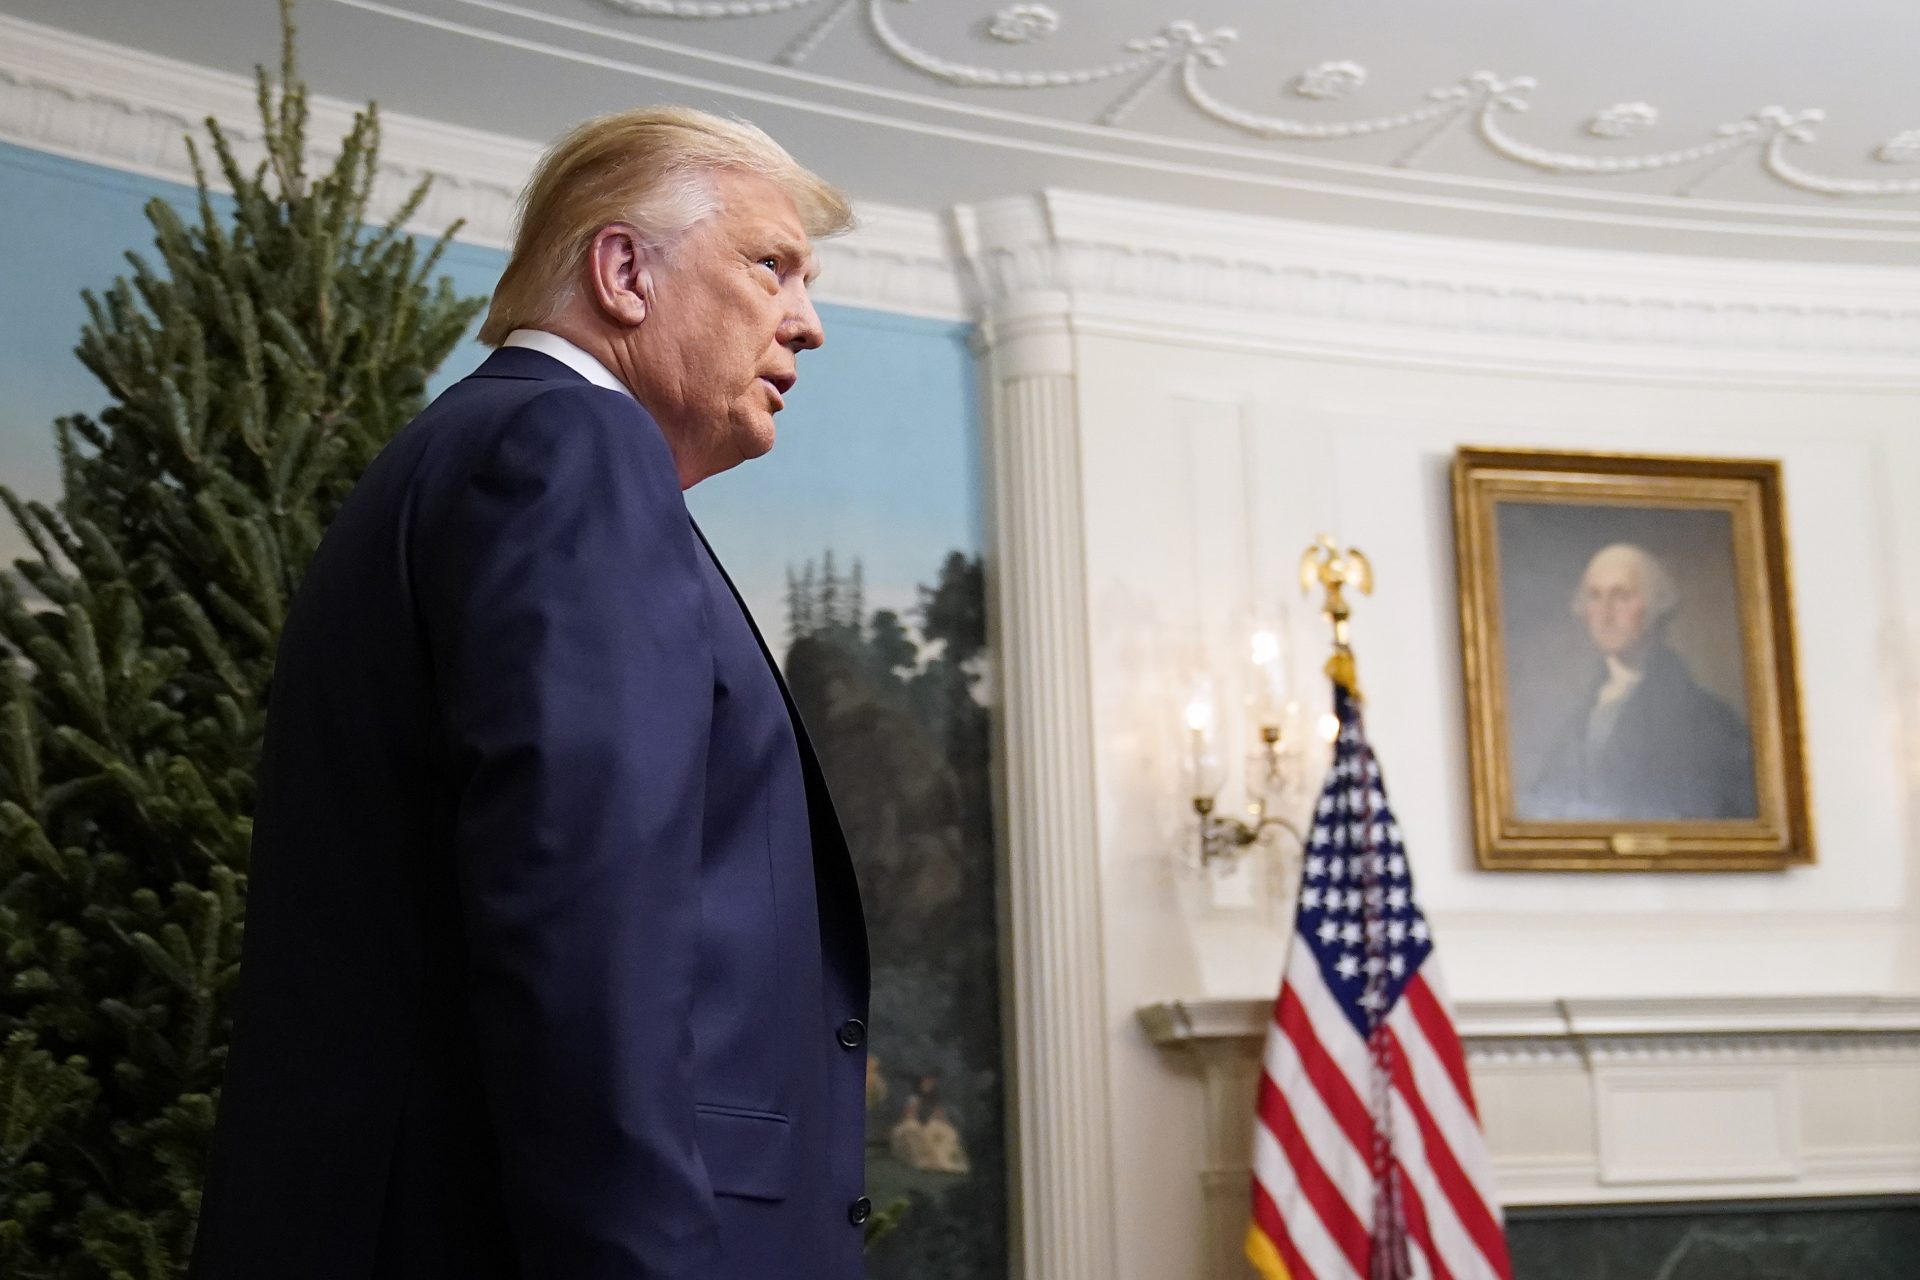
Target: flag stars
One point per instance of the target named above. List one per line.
(1328, 932)
(1397, 865)
(1397, 898)
(1316, 865)
(1397, 965)
(1348, 965)
(1396, 932)
(1419, 929)
(1350, 934)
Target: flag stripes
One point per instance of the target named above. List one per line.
(1360, 1017)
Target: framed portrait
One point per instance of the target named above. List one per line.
(1626, 623)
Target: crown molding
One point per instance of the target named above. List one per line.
(1129, 269)
(1121, 267)
(106, 104)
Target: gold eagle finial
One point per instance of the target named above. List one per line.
(1334, 570)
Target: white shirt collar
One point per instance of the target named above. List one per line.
(1621, 681)
(552, 344)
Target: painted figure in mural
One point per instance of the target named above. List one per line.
(924, 1138)
(598, 1007)
(1648, 742)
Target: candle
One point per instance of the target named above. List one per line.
(1203, 755)
(1268, 693)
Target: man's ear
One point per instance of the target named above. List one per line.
(620, 274)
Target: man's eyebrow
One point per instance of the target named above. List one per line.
(795, 252)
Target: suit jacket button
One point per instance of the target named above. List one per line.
(859, 1211)
(853, 1033)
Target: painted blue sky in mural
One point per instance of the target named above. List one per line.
(877, 458)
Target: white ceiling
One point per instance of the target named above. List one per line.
(1760, 127)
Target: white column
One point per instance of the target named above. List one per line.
(1064, 1227)
(1060, 1085)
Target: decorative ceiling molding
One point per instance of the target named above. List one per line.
(1247, 281)
(109, 105)
(1147, 268)
(1183, 53)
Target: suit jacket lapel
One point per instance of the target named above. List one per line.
(807, 754)
(836, 885)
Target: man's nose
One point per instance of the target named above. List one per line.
(803, 330)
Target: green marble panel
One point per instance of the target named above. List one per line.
(1797, 1240)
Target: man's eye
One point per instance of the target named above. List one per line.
(771, 264)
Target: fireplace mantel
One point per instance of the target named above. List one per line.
(1618, 1101)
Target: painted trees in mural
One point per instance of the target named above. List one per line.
(902, 731)
(253, 371)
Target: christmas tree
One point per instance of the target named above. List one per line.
(253, 368)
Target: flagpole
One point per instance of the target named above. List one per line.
(1334, 571)
(1361, 1049)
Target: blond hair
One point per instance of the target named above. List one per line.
(650, 168)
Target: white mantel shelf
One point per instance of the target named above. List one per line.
(1175, 1023)
(1619, 1101)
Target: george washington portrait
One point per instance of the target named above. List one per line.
(1642, 738)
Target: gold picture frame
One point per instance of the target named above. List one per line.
(1626, 625)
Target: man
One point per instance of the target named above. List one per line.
(554, 964)
(1648, 743)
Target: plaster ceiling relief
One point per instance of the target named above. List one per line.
(1182, 55)
(1742, 128)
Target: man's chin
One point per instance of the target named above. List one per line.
(756, 438)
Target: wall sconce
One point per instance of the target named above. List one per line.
(1274, 767)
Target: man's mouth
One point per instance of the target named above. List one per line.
(780, 383)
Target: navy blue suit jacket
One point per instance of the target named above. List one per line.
(554, 962)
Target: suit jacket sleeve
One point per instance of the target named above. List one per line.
(569, 636)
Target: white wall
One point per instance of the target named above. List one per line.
(1241, 386)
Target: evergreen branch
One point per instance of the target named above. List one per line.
(85, 679)
(210, 230)
(211, 647)
(409, 208)
(19, 739)
(29, 528)
(430, 261)
(21, 833)
(242, 618)
(46, 579)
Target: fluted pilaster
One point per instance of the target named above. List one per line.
(1056, 985)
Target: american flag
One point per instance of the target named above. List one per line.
(1368, 1160)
